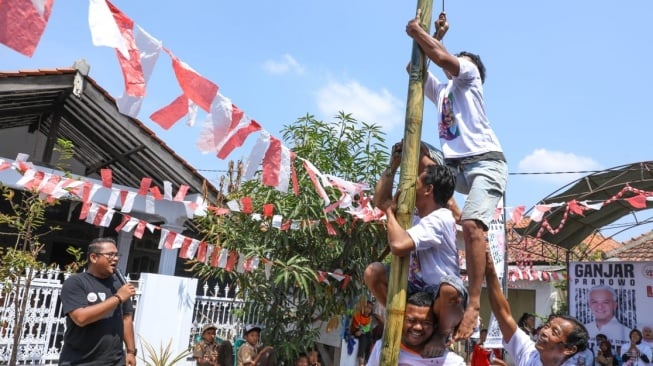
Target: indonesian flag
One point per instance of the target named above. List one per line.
(197, 88)
(237, 136)
(137, 70)
(256, 156)
(518, 213)
(314, 173)
(197, 91)
(218, 123)
(276, 166)
(539, 211)
(23, 23)
(105, 30)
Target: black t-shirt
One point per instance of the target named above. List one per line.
(99, 343)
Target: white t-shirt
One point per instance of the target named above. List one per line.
(522, 350)
(409, 358)
(434, 236)
(616, 332)
(463, 126)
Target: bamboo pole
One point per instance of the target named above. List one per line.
(396, 301)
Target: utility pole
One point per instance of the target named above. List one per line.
(396, 301)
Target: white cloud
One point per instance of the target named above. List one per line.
(286, 65)
(542, 160)
(371, 106)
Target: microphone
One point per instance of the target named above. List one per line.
(120, 276)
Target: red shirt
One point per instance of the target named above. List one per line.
(481, 356)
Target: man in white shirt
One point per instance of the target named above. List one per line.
(418, 327)
(470, 147)
(603, 303)
(558, 342)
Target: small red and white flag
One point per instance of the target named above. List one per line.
(256, 156)
(218, 123)
(237, 136)
(276, 166)
(105, 30)
(137, 70)
(23, 23)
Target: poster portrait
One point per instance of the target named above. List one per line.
(612, 298)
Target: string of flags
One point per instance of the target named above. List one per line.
(225, 128)
(638, 200)
(51, 186)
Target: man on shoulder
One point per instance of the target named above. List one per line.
(418, 328)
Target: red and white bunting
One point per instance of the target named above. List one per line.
(197, 88)
(313, 173)
(256, 155)
(216, 124)
(137, 71)
(237, 136)
(539, 211)
(276, 166)
(105, 30)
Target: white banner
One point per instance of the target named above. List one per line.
(497, 240)
(612, 298)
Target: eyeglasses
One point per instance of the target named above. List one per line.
(110, 256)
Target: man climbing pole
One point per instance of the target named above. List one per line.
(470, 147)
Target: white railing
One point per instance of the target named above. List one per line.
(222, 311)
(44, 323)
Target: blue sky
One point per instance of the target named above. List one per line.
(567, 86)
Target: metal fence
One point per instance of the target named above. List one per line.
(44, 324)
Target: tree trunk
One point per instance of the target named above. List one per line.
(396, 302)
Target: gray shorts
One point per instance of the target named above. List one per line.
(434, 290)
(484, 183)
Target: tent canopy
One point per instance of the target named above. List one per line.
(594, 188)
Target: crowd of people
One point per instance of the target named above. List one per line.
(439, 308)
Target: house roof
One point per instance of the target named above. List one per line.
(636, 249)
(45, 100)
(596, 187)
(530, 250)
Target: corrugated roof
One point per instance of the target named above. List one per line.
(42, 100)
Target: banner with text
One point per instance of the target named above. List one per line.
(612, 298)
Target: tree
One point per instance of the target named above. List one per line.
(19, 263)
(292, 299)
(26, 222)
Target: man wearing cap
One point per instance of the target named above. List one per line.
(208, 352)
(430, 243)
(249, 354)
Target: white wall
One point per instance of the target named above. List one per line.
(165, 312)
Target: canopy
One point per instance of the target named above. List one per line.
(609, 187)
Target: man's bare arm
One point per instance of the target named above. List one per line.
(432, 48)
(498, 302)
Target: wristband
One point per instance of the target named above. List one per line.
(118, 297)
(132, 351)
